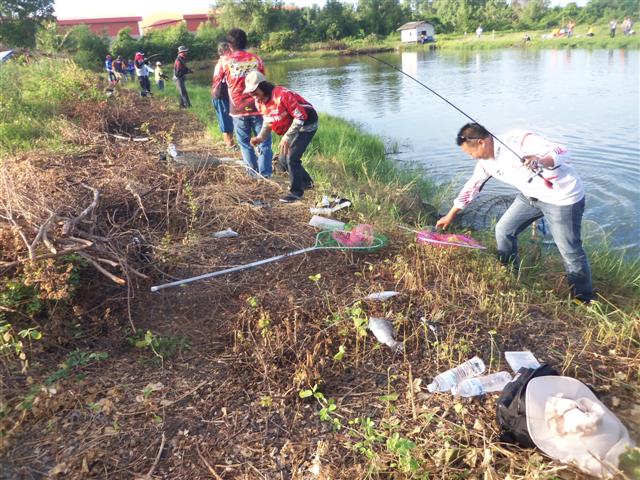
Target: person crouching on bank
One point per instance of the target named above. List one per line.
(561, 203)
(287, 114)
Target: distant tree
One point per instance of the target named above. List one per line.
(19, 20)
(88, 49)
(380, 17)
(497, 15)
(533, 12)
(50, 39)
(336, 20)
(124, 44)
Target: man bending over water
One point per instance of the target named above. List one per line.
(562, 205)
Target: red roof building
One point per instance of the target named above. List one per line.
(105, 26)
(194, 21)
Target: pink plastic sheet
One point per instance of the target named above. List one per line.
(448, 240)
(359, 236)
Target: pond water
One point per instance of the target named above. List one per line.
(588, 101)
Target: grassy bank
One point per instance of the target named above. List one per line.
(538, 39)
(268, 373)
(33, 95)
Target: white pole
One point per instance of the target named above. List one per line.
(155, 288)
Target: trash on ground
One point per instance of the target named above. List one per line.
(227, 233)
(445, 381)
(359, 236)
(326, 223)
(172, 150)
(518, 360)
(255, 203)
(381, 296)
(448, 240)
(472, 387)
(568, 423)
(383, 331)
(329, 206)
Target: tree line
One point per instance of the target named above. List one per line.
(272, 25)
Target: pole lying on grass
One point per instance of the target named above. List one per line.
(186, 281)
(324, 241)
(536, 173)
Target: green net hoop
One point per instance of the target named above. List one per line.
(325, 240)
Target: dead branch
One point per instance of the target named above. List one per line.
(149, 474)
(45, 256)
(209, 467)
(41, 231)
(106, 273)
(69, 225)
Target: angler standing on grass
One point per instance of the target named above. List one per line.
(234, 68)
(142, 71)
(288, 114)
(180, 71)
(561, 202)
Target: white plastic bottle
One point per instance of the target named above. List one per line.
(447, 380)
(472, 387)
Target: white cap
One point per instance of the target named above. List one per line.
(252, 80)
(568, 422)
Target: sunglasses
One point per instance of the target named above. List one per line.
(460, 139)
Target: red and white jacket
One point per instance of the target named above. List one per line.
(507, 167)
(233, 68)
(286, 113)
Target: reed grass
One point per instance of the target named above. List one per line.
(32, 95)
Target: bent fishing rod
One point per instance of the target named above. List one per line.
(537, 172)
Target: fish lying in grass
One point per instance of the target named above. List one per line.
(381, 296)
(383, 331)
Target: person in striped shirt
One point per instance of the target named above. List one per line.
(556, 194)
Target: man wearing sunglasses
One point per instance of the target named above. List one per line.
(548, 187)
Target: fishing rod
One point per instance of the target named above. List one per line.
(537, 171)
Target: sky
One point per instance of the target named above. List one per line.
(124, 8)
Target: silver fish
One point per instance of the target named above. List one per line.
(381, 296)
(383, 331)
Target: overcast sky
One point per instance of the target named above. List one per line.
(125, 8)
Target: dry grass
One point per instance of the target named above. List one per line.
(229, 406)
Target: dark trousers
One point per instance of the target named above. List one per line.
(145, 85)
(292, 163)
(182, 90)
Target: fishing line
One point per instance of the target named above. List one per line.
(536, 172)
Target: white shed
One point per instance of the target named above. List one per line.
(413, 32)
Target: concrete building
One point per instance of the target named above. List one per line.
(413, 32)
(105, 26)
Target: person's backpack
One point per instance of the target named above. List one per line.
(511, 407)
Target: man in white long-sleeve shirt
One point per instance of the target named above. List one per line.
(557, 195)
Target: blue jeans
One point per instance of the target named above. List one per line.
(246, 127)
(564, 221)
(225, 121)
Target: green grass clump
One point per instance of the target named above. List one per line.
(32, 94)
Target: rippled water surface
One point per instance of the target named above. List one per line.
(585, 100)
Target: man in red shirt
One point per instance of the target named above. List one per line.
(288, 114)
(234, 67)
